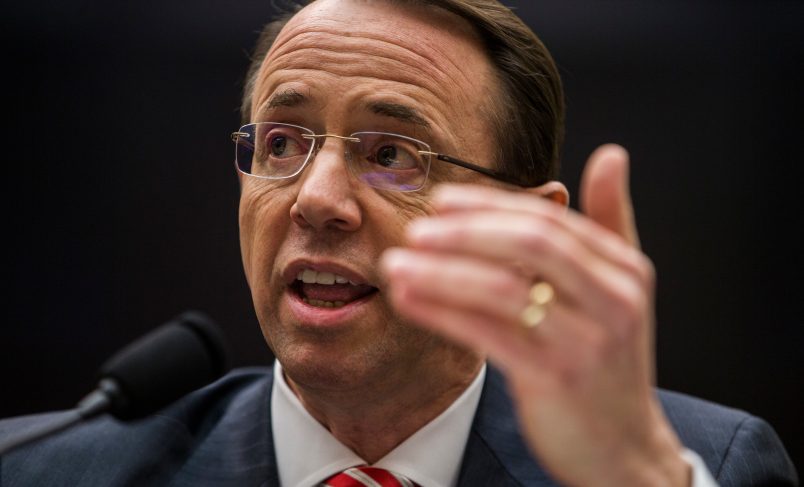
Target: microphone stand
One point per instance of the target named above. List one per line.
(95, 403)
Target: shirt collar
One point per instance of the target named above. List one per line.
(307, 453)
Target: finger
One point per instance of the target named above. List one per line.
(481, 289)
(603, 288)
(460, 281)
(454, 197)
(468, 328)
(561, 348)
(454, 200)
(604, 195)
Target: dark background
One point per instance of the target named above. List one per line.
(120, 198)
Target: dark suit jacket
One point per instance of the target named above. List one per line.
(221, 436)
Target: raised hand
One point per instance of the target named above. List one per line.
(582, 378)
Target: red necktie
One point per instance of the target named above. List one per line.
(368, 476)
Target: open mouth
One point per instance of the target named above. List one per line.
(328, 290)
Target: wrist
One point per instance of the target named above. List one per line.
(658, 460)
(661, 465)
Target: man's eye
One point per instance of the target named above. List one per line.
(386, 156)
(281, 145)
(278, 145)
(393, 157)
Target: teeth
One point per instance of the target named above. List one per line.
(325, 278)
(310, 276)
(323, 304)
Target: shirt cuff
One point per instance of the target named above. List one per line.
(700, 474)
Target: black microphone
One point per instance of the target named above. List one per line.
(180, 356)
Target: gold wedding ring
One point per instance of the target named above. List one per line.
(541, 295)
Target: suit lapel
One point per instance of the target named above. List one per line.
(236, 447)
(272, 470)
(496, 454)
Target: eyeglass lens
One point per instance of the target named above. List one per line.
(381, 160)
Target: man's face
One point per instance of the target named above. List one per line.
(339, 67)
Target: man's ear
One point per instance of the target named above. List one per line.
(553, 191)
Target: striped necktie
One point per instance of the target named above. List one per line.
(368, 477)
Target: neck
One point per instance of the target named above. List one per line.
(375, 419)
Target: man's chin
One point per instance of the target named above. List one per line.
(329, 368)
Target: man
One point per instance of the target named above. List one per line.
(401, 226)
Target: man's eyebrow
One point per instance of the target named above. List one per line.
(400, 112)
(287, 98)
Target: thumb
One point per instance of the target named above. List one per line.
(604, 195)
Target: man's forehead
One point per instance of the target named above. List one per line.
(355, 17)
(397, 59)
(409, 41)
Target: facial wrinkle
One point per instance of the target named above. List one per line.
(425, 61)
(310, 53)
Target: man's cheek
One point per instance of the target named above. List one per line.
(246, 244)
(257, 251)
(259, 221)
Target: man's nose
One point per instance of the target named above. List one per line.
(326, 197)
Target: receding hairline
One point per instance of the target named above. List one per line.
(458, 25)
(446, 21)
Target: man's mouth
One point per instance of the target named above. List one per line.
(327, 289)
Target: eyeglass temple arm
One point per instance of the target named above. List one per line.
(501, 176)
(240, 138)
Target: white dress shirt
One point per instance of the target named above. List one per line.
(307, 453)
